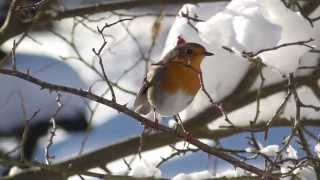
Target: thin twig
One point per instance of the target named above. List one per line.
(226, 118)
(178, 152)
(25, 133)
(98, 54)
(81, 59)
(127, 164)
(262, 80)
(299, 126)
(52, 132)
(277, 113)
(301, 43)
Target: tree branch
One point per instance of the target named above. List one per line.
(14, 26)
(122, 108)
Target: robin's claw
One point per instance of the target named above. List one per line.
(188, 136)
(156, 124)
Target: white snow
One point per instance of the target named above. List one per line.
(181, 28)
(241, 26)
(14, 170)
(291, 152)
(317, 149)
(286, 59)
(8, 144)
(303, 173)
(249, 149)
(144, 169)
(208, 142)
(270, 150)
(193, 176)
(237, 172)
(252, 25)
(287, 166)
(306, 173)
(172, 123)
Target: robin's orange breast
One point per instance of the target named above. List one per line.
(177, 77)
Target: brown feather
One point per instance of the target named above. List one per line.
(141, 104)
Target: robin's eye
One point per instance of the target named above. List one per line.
(189, 51)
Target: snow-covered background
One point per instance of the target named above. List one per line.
(242, 25)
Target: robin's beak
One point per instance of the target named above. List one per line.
(208, 54)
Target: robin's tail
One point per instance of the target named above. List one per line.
(141, 104)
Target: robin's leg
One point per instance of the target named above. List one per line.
(179, 121)
(156, 121)
(188, 135)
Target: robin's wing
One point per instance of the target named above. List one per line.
(141, 104)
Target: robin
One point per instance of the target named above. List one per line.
(172, 83)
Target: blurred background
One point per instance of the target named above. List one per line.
(61, 52)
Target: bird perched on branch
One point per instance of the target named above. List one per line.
(172, 83)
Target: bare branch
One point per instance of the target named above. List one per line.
(48, 157)
(127, 4)
(125, 110)
(301, 43)
(98, 54)
(25, 133)
(14, 26)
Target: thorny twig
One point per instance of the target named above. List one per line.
(92, 110)
(14, 48)
(315, 19)
(301, 43)
(278, 112)
(299, 127)
(304, 15)
(309, 67)
(78, 21)
(122, 108)
(98, 54)
(226, 118)
(127, 164)
(189, 19)
(177, 152)
(82, 60)
(52, 132)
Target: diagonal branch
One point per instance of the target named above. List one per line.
(239, 98)
(122, 108)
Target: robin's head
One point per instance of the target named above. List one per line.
(191, 53)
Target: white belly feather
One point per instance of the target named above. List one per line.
(171, 104)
